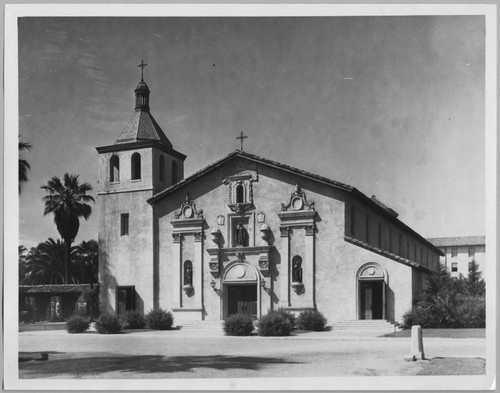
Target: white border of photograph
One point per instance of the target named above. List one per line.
(12, 12)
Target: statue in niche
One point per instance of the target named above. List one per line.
(241, 236)
(297, 269)
(188, 274)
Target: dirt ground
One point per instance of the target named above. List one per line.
(203, 354)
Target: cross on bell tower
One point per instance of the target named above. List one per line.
(241, 137)
(142, 65)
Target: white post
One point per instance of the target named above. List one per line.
(417, 344)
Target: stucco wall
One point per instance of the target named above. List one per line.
(336, 261)
(126, 260)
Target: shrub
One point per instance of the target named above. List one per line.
(288, 315)
(108, 324)
(449, 302)
(160, 319)
(274, 323)
(135, 320)
(77, 324)
(238, 325)
(311, 320)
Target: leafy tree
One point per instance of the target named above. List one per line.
(85, 261)
(67, 200)
(450, 302)
(44, 264)
(22, 263)
(24, 166)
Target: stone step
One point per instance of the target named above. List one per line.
(201, 325)
(359, 325)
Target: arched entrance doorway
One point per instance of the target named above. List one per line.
(241, 286)
(371, 282)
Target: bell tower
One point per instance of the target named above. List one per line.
(140, 163)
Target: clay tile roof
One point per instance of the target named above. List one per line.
(142, 126)
(346, 187)
(53, 288)
(385, 207)
(458, 241)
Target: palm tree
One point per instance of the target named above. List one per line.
(68, 202)
(85, 259)
(44, 264)
(22, 263)
(24, 166)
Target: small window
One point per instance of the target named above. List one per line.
(471, 263)
(390, 240)
(379, 235)
(136, 166)
(454, 251)
(114, 169)
(162, 168)
(353, 221)
(125, 300)
(454, 267)
(188, 273)
(124, 224)
(175, 172)
(367, 229)
(240, 194)
(472, 252)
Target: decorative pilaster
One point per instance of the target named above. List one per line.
(177, 281)
(285, 267)
(303, 296)
(183, 227)
(198, 272)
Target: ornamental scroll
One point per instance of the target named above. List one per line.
(188, 210)
(297, 201)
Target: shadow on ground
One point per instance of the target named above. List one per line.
(453, 366)
(96, 365)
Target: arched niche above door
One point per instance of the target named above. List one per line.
(240, 272)
(372, 271)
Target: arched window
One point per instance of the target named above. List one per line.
(114, 169)
(240, 193)
(188, 273)
(162, 168)
(136, 166)
(175, 172)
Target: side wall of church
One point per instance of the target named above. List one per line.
(333, 276)
(366, 224)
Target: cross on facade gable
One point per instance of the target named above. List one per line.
(241, 137)
(142, 65)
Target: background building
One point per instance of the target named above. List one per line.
(460, 251)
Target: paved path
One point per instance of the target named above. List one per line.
(202, 354)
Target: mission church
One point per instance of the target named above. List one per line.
(245, 235)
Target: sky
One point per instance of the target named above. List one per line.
(392, 105)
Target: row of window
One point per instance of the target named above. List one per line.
(454, 252)
(454, 266)
(395, 245)
(135, 166)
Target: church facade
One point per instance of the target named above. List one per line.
(245, 234)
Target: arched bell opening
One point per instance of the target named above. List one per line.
(371, 283)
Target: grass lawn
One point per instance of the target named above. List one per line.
(442, 333)
(453, 366)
